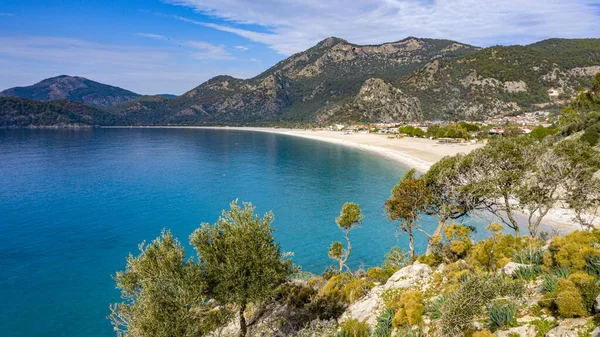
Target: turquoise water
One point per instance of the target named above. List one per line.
(74, 203)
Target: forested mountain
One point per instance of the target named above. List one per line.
(337, 81)
(21, 112)
(73, 88)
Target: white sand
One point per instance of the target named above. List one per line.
(417, 153)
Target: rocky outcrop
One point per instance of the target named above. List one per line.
(369, 307)
(573, 327)
(522, 331)
(511, 267)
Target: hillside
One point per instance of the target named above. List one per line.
(298, 87)
(21, 112)
(73, 88)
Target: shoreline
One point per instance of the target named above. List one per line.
(417, 153)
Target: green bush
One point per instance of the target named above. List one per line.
(569, 302)
(384, 323)
(409, 309)
(483, 333)
(462, 305)
(434, 308)
(549, 283)
(354, 328)
(542, 326)
(562, 272)
(396, 258)
(501, 314)
(592, 264)
(529, 255)
(528, 272)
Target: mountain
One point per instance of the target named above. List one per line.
(336, 81)
(77, 89)
(22, 112)
(297, 88)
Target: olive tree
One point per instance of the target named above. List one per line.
(407, 203)
(163, 294)
(350, 217)
(241, 263)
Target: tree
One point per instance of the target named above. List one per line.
(350, 217)
(163, 294)
(448, 200)
(241, 262)
(408, 201)
(496, 173)
(494, 229)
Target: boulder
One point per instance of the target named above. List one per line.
(596, 332)
(522, 331)
(369, 307)
(572, 327)
(597, 304)
(510, 268)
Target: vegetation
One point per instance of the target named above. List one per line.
(349, 218)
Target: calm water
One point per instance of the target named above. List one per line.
(73, 204)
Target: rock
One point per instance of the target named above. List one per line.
(526, 319)
(596, 332)
(569, 328)
(408, 276)
(522, 331)
(597, 304)
(368, 308)
(511, 267)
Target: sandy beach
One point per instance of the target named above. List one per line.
(417, 153)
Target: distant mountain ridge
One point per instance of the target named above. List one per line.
(73, 88)
(408, 80)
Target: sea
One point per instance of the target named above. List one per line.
(75, 203)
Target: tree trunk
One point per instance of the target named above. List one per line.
(243, 326)
(511, 218)
(437, 232)
(411, 245)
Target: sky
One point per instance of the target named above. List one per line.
(172, 46)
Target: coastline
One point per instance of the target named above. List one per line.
(417, 153)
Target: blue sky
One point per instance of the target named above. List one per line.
(171, 46)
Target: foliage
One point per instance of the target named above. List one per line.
(483, 333)
(354, 328)
(475, 292)
(350, 217)
(384, 323)
(592, 264)
(528, 272)
(542, 326)
(434, 308)
(562, 272)
(549, 283)
(501, 314)
(529, 255)
(572, 249)
(407, 203)
(409, 309)
(411, 131)
(163, 294)
(540, 132)
(396, 259)
(569, 302)
(505, 248)
(318, 328)
(241, 262)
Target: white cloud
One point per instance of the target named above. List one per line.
(241, 48)
(299, 24)
(205, 50)
(153, 36)
(25, 60)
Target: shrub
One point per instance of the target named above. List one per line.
(562, 272)
(432, 260)
(528, 272)
(396, 259)
(549, 283)
(408, 332)
(355, 289)
(592, 264)
(529, 255)
(409, 309)
(569, 302)
(501, 314)
(588, 288)
(483, 333)
(354, 328)
(461, 306)
(377, 274)
(505, 248)
(573, 249)
(384, 323)
(542, 326)
(318, 328)
(434, 308)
